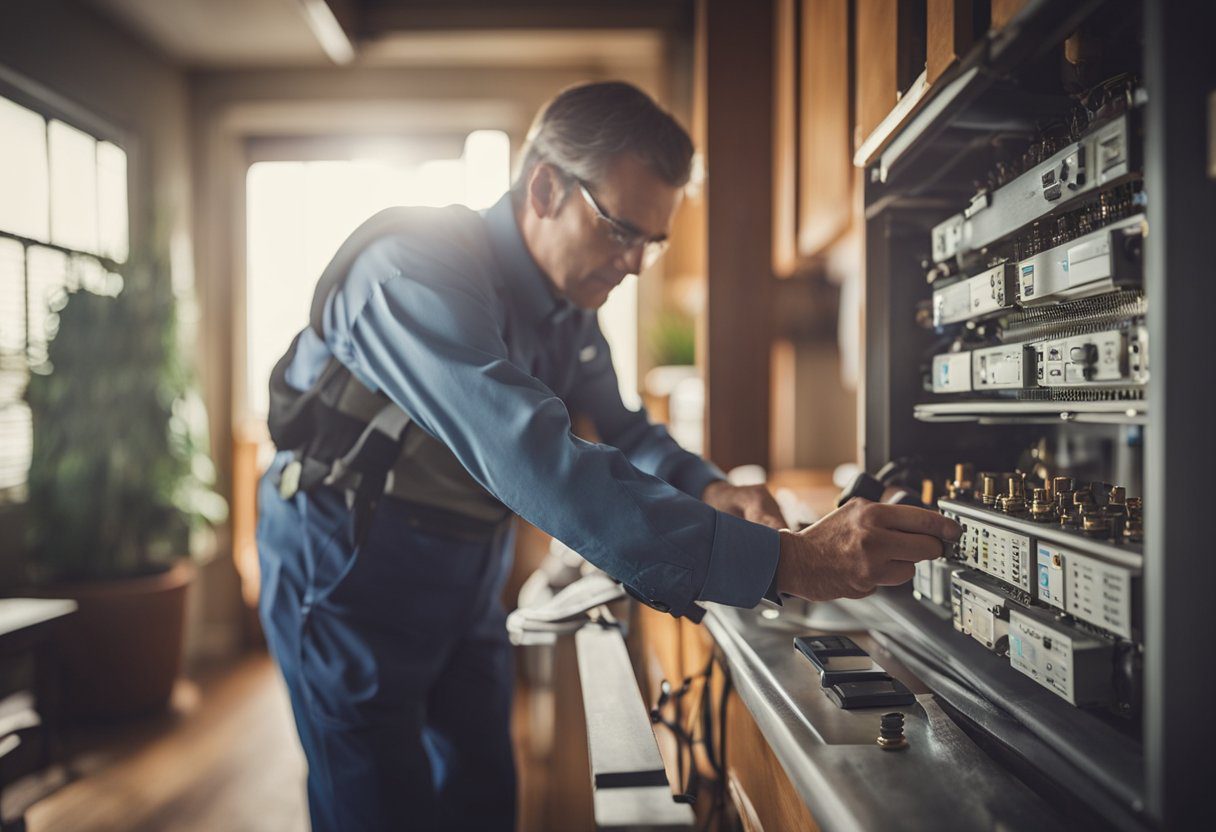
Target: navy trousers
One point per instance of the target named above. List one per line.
(397, 663)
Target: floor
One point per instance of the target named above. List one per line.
(225, 756)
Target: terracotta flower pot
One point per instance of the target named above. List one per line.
(122, 650)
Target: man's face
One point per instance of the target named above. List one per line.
(587, 255)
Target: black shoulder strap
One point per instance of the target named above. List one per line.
(289, 426)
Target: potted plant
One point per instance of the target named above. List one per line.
(672, 388)
(119, 488)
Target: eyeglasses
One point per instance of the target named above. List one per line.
(624, 236)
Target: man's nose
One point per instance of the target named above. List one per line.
(630, 260)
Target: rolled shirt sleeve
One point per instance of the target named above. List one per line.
(420, 329)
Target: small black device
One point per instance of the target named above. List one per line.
(872, 694)
(873, 488)
(839, 659)
(864, 486)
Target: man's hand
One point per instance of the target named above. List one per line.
(751, 502)
(860, 547)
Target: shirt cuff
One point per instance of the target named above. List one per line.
(742, 563)
(772, 595)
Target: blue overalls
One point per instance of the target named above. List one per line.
(394, 650)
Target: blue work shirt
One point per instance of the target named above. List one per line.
(454, 321)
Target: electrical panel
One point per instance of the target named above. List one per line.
(1038, 306)
(1036, 252)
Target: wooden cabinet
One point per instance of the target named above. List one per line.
(1004, 10)
(764, 797)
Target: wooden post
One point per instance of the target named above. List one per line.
(736, 48)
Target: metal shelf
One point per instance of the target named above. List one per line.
(1073, 748)
(1030, 412)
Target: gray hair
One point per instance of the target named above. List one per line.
(587, 126)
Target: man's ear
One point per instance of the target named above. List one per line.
(545, 190)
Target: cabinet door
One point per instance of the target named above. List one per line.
(949, 34)
(1004, 10)
(825, 188)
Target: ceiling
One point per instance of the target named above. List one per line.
(221, 34)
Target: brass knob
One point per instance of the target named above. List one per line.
(1133, 528)
(1042, 509)
(1095, 522)
(1063, 496)
(989, 494)
(960, 487)
(1014, 500)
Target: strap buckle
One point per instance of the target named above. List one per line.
(289, 479)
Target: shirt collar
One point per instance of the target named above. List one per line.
(527, 283)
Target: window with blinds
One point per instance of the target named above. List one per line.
(63, 226)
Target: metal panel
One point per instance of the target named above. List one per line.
(1180, 572)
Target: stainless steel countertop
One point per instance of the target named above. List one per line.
(941, 781)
